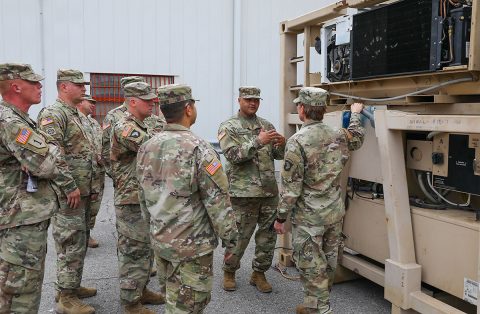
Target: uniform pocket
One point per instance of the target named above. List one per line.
(21, 280)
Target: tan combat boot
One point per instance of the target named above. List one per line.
(150, 297)
(229, 283)
(136, 308)
(305, 310)
(82, 293)
(258, 279)
(69, 303)
(92, 243)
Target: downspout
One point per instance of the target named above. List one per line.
(237, 55)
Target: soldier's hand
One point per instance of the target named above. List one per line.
(356, 107)
(265, 137)
(279, 140)
(227, 256)
(279, 227)
(73, 198)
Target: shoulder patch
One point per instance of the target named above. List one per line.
(287, 165)
(105, 126)
(221, 135)
(46, 121)
(126, 131)
(50, 131)
(23, 136)
(135, 134)
(213, 166)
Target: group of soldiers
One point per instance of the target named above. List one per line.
(172, 198)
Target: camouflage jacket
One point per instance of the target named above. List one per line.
(127, 136)
(68, 130)
(154, 123)
(184, 193)
(94, 132)
(250, 166)
(314, 159)
(21, 145)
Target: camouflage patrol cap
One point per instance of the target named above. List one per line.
(89, 98)
(312, 96)
(140, 90)
(70, 75)
(174, 93)
(21, 71)
(249, 92)
(131, 79)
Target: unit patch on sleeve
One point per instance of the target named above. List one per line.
(135, 134)
(23, 136)
(213, 167)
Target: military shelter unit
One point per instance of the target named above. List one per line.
(412, 190)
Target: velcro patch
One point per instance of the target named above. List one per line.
(221, 135)
(23, 136)
(126, 131)
(46, 121)
(213, 167)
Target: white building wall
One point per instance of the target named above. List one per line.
(189, 38)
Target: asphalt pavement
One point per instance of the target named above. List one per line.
(100, 271)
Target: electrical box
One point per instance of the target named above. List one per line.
(419, 155)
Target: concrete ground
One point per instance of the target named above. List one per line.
(359, 296)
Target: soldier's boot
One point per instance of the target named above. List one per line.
(92, 243)
(305, 310)
(150, 297)
(82, 293)
(229, 283)
(136, 308)
(258, 279)
(69, 303)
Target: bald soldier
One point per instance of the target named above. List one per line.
(311, 192)
(114, 115)
(184, 194)
(62, 121)
(87, 108)
(250, 144)
(27, 200)
(133, 246)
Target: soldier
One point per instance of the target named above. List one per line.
(250, 145)
(87, 107)
(133, 247)
(114, 115)
(62, 121)
(27, 199)
(314, 159)
(184, 194)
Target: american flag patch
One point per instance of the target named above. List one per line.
(105, 126)
(23, 136)
(213, 167)
(47, 121)
(126, 131)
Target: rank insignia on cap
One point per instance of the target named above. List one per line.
(126, 131)
(46, 121)
(221, 135)
(105, 126)
(213, 167)
(23, 136)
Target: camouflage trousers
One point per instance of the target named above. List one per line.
(70, 233)
(188, 284)
(250, 212)
(134, 252)
(95, 205)
(22, 265)
(315, 254)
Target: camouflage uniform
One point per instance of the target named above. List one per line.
(314, 159)
(184, 192)
(65, 125)
(253, 188)
(116, 114)
(133, 246)
(24, 216)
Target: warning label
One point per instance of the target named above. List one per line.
(470, 291)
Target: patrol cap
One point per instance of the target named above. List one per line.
(70, 75)
(130, 79)
(140, 90)
(249, 92)
(173, 93)
(89, 98)
(21, 71)
(312, 96)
